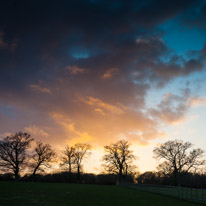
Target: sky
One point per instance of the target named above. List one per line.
(97, 72)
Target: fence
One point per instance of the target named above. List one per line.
(191, 194)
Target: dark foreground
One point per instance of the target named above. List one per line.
(21, 193)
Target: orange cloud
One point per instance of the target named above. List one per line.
(75, 69)
(172, 118)
(69, 126)
(197, 101)
(100, 111)
(101, 106)
(37, 88)
(101, 130)
(109, 73)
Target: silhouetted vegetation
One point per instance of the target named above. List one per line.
(68, 159)
(196, 180)
(118, 159)
(13, 152)
(72, 157)
(19, 162)
(43, 156)
(80, 152)
(178, 160)
(66, 177)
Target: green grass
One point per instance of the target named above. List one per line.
(19, 193)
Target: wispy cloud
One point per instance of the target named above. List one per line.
(109, 73)
(75, 69)
(198, 101)
(103, 106)
(36, 132)
(38, 88)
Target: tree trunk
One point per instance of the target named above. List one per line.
(35, 169)
(70, 168)
(34, 172)
(78, 173)
(120, 172)
(16, 173)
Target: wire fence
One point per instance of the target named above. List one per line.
(186, 193)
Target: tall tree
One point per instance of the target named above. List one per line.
(118, 158)
(68, 158)
(44, 155)
(13, 152)
(81, 151)
(178, 158)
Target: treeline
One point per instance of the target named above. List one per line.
(66, 177)
(181, 166)
(195, 180)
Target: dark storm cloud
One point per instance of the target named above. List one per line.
(88, 61)
(48, 34)
(53, 31)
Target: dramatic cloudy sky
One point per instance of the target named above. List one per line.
(97, 71)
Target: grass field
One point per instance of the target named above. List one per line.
(18, 193)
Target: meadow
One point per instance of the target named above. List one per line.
(29, 193)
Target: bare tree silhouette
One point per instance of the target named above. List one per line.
(118, 158)
(178, 158)
(44, 155)
(13, 152)
(81, 151)
(68, 158)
